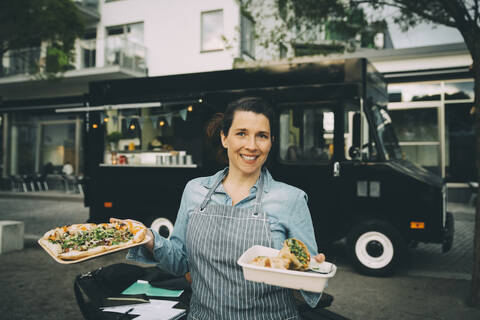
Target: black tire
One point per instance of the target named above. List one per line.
(375, 248)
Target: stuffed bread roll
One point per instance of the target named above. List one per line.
(272, 262)
(261, 261)
(297, 252)
(280, 263)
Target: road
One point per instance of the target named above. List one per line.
(429, 285)
(425, 260)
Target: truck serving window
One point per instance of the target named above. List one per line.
(152, 137)
(306, 135)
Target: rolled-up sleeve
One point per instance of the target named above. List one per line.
(168, 254)
(300, 226)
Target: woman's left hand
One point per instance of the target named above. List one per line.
(149, 244)
(320, 258)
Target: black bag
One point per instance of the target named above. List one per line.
(92, 288)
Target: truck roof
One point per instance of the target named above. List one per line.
(336, 73)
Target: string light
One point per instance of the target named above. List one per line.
(190, 108)
(132, 126)
(95, 126)
(161, 123)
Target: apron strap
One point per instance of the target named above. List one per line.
(258, 198)
(212, 190)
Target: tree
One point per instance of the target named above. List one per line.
(29, 23)
(463, 15)
(304, 25)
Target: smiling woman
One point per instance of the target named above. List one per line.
(206, 240)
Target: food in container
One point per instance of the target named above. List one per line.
(308, 280)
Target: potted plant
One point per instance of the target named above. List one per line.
(112, 138)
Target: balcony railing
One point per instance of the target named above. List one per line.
(127, 54)
(90, 4)
(24, 61)
(88, 10)
(114, 51)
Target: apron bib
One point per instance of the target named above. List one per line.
(217, 235)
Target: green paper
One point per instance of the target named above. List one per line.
(146, 288)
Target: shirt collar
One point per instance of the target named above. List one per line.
(210, 181)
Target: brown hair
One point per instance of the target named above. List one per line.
(221, 122)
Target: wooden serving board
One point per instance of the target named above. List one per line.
(40, 242)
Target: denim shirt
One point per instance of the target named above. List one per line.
(286, 208)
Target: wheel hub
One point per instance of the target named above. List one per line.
(374, 248)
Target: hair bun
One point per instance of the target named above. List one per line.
(212, 131)
(214, 126)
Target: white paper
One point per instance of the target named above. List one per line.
(161, 315)
(155, 310)
(120, 309)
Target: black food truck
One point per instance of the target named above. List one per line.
(144, 139)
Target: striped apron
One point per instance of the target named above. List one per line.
(217, 235)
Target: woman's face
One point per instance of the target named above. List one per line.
(248, 142)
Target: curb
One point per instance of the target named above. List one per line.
(56, 196)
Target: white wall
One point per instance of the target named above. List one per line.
(422, 63)
(172, 32)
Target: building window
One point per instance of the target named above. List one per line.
(413, 92)
(124, 47)
(3, 151)
(418, 135)
(445, 147)
(459, 90)
(460, 142)
(212, 30)
(283, 50)
(416, 125)
(89, 49)
(306, 135)
(248, 36)
(44, 143)
(21, 61)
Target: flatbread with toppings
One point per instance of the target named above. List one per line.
(78, 241)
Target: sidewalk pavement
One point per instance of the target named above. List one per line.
(34, 286)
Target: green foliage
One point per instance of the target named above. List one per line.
(57, 60)
(304, 25)
(28, 23)
(345, 20)
(318, 49)
(113, 137)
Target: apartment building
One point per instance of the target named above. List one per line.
(123, 39)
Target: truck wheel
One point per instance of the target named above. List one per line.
(375, 247)
(163, 226)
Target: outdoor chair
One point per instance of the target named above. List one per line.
(69, 183)
(73, 183)
(28, 179)
(17, 183)
(41, 181)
